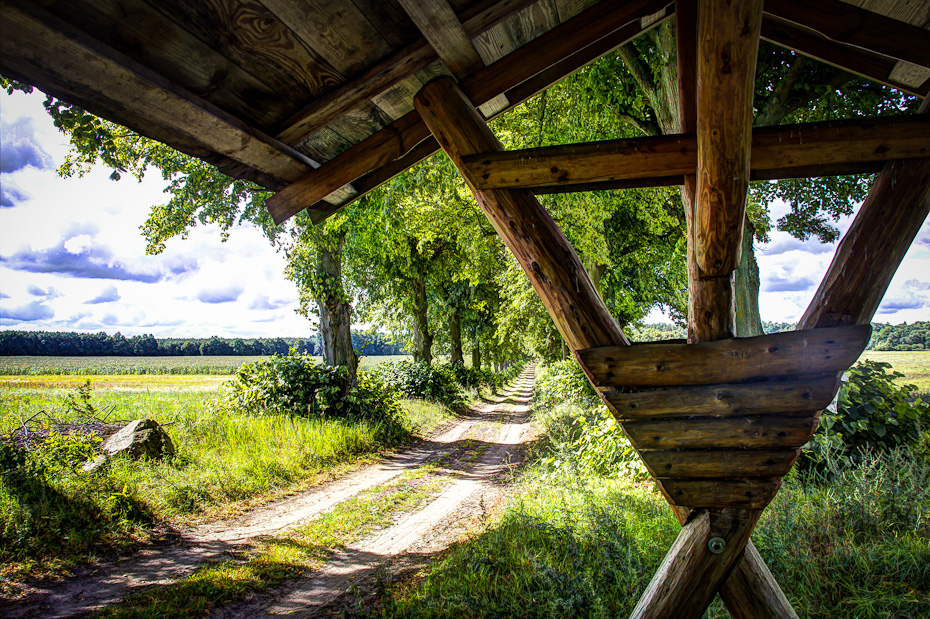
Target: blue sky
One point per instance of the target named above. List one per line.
(72, 256)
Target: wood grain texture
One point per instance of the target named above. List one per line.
(784, 147)
(440, 26)
(751, 592)
(862, 62)
(723, 400)
(790, 353)
(718, 464)
(749, 493)
(728, 44)
(845, 23)
(68, 63)
(690, 574)
(743, 432)
(521, 75)
(549, 260)
(874, 246)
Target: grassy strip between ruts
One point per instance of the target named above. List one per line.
(572, 545)
(270, 562)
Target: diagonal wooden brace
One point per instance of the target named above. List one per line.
(554, 270)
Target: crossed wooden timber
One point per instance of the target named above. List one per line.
(718, 424)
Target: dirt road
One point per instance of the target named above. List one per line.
(475, 451)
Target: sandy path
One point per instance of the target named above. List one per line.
(106, 583)
(320, 593)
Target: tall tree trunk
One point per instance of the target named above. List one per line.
(423, 338)
(746, 288)
(335, 313)
(476, 356)
(455, 338)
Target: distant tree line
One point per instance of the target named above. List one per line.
(70, 344)
(914, 336)
(653, 332)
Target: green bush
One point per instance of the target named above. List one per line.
(296, 385)
(563, 381)
(872, 414)
(419, 380)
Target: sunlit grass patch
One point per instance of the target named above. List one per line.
(915, 365)
(268, 563)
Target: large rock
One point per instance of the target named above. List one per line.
(139, 438)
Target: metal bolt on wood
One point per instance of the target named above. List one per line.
(716, 545)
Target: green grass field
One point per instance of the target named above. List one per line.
(915, 365)
(18, 366)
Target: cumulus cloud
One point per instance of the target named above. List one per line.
(19, 148)
(789, 284)
(75, 257)
(4, 295)
(35, 310)
(41, 292)
(907, 302)
(783, 246)
(219, 295)
(10, 193)
(264, 303)
(916, 284)
(110, 320)
(108, 295)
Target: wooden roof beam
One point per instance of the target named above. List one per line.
(782, 151)
(438, 24)
(864, 63)
(521, 74)
(849, 24)
(478, 18)
(64, 61)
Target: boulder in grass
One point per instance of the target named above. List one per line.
(142, 438)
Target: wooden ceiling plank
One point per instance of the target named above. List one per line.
(149, 37)
(334, 29)
(288, 205)
(110, 84)
(249, 34)
(855, 26)
(382, 75)
(389, 19)
(783, 147)
(438, 23)
(861, 62)
(874, 246)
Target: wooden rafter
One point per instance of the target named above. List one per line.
(783, 151)
(854, 26)
(476, 19)
(558, 53)
(856, 60)
(437, 22)
(68, 63)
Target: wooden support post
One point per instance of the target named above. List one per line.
(554, 269)
(703, 554)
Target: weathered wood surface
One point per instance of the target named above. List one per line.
(670, 157)
(790, 353)
(723, 400)
(875, 244)
(81, 65)
(749, 432)
(862, 62)
(728, 44)
(751, 591)
(507, 75)
(439, 25)
(553, 267)
(718, 464)
(749, 493)
(690, 574)
(855, 26)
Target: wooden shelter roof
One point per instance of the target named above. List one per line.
(314, 98)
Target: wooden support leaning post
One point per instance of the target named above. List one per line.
(554, 269)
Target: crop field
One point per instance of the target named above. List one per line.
(915, 365)
(111, 366)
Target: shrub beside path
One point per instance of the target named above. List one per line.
(474, 452)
